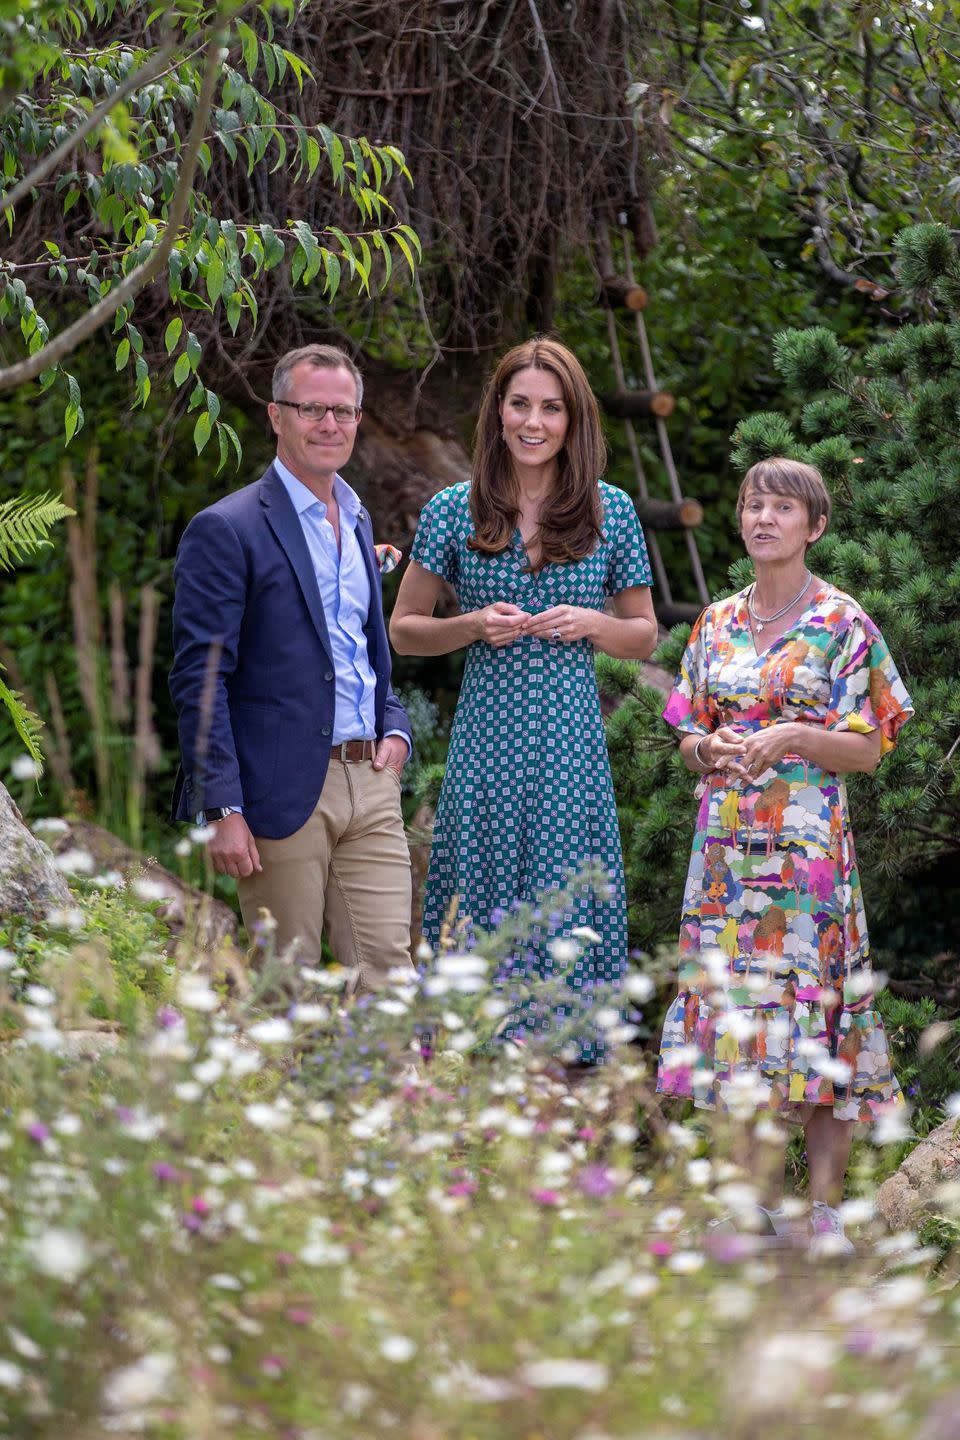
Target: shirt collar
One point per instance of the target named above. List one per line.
(347, 499)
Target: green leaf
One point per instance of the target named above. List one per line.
(214, 278)
(273, 247)
(72, 420)
(194, 350)
(404, 249)
(335, 152)
(181, 370)
(202, 430)
(27, 725)
(251, 47)
(233, 437)
(171, 337)
(331, 267)
(123, 353)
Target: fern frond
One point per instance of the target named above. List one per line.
(25, 522)
(28, 726)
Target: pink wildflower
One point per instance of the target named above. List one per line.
(596, 1181)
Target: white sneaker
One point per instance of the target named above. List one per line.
(826, 1231)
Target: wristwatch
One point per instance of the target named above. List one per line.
(219, 813)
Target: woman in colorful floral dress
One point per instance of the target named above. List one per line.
(783, 689)
(534, 546)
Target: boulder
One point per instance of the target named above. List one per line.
(933, 1163)
(30, 883)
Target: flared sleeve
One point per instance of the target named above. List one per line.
(628, 563)
(690, 707)
(866, 692)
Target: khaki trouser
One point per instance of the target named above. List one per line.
(347, 870)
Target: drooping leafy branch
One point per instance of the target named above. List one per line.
(105, 154)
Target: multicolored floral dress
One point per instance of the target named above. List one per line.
(527, 798)
(775, 1006)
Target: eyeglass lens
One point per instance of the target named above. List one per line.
(313, 410)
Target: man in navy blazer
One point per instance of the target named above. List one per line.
(293, 742)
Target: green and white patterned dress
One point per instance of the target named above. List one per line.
(527, 798)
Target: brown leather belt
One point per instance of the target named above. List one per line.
(353, 750)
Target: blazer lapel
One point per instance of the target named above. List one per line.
(285, 524)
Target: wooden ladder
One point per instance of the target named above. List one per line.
(621, 291)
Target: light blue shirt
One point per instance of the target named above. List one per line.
(344, 586)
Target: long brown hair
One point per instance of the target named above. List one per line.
(572, 519)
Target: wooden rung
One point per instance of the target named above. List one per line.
(632, 404)
(683, 514)
(676, 612)
(622, 294)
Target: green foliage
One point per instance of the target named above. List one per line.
(136, 216)
(147, 482)
(25, 523)
(925, 253)
(810, 363)
(895, 476)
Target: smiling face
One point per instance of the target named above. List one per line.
(535, 421)
(315, 449)
(776, 528)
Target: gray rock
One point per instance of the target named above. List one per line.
(30, 883)
(932, 1164)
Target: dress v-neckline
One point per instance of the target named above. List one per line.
(745, 620)
(520, 545)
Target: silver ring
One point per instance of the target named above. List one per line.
(555, 633)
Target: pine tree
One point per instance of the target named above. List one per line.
(884, 429)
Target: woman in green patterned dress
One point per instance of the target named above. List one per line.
(534, 546)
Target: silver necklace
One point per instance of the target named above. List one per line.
(761, 620)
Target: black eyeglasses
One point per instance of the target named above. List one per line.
(313, 410)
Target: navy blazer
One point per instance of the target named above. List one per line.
(252, 677)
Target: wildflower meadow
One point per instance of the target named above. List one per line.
(268, 1214)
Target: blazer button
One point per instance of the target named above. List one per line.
(325, 730)
(328, 674)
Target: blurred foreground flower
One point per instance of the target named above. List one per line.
(565, 1375)
(61, 1254)
(138, 1385)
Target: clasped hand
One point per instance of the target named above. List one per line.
(502, 623)
(747, 756)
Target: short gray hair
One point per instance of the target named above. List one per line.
(321, 357)
(782, 476)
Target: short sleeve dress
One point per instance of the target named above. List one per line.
(775, 997)
(527, 798)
